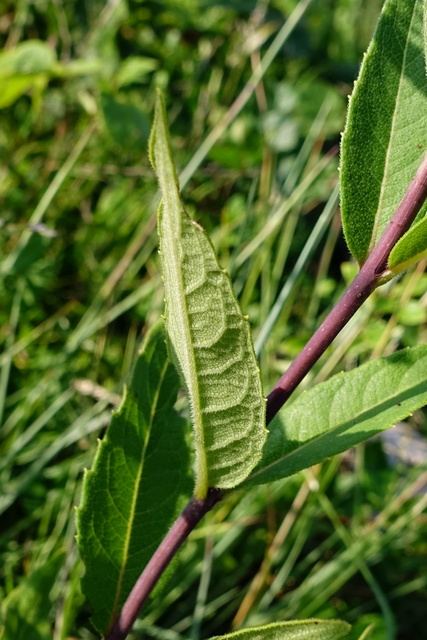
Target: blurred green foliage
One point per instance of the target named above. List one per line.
(80, 283)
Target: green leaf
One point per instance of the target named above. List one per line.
(385, 136)
(293, 630)
(127, 125)
(25, 611)
(135, 69)
(23, 68)
(347, 409)
(210, 340)
(410, 249)
(26, 58)
(425, 33)
(137, 486)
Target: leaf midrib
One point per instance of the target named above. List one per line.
(385, 180)
(136, 492)
(353, 422)
(170, 197)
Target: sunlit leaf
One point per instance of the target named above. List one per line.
(410, 249)
(26, 58)
(386, 131)
(23, 68)
(137, 485)
(135, 69)
(210, 340)
(345, 410)
(293, 630)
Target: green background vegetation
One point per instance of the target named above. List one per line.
(80, 284)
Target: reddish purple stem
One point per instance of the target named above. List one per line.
(362, 286)
(175, 538)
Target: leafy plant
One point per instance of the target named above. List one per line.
(139, 478)
(256, 100)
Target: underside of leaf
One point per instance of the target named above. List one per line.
(293, 630)
(210, 339)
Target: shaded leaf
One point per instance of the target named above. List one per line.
(126, 124)
(347, 409)
(35, 249)
(210, 340)
(137, 486)
(385, 136)
(25, 611)
(293, 630)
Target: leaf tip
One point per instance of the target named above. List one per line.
(159, 115)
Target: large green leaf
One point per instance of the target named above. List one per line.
(137, 486)
(210, 339)
(293, 630)
(385, 136)
(345, 410)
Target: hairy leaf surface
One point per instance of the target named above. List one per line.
(210, 339)
(345, 410)
(138, 484)
(410, 249)
(293, 630)
(386, 132)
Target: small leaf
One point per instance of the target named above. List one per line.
(126, 124)
(25, 611)
(26, 58)
(410, 249)
(385, 136)
(138, 484)
(210, 340)
(293, 630)
(347, 409)
(135, 69)
(23, 68)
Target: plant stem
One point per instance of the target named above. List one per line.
(369, 277)
(176, 536)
